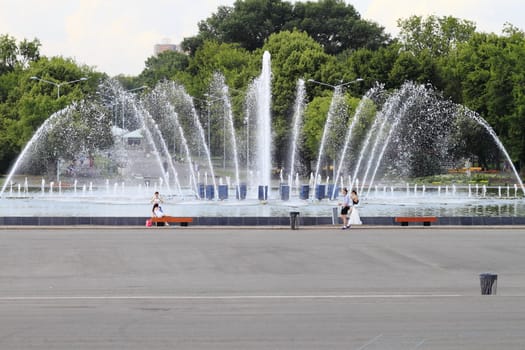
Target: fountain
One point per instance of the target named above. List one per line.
(129, 146)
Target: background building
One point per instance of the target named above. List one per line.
(166, 45)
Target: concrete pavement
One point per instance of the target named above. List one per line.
(261, 288)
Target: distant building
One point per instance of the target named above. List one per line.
(133, 138)
(166, 45)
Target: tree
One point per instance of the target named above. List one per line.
(13, 55)
(8, 53)
(235, 63)
(336, 26)
(29, 51)
(25, 104)
(373, 65)
(248, 23)
(316, 115)
(165, 65)
(489, 72)
(333, 24)
(438, 35)
(294, 55)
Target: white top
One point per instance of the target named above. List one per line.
(158, 213)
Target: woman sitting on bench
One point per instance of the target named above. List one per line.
(158, 213)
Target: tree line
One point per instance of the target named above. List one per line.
(326, 41)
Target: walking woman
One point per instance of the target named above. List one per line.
(345, 208)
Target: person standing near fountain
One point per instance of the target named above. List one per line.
(156, 199)
(345, 208)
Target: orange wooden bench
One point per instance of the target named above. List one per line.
(426, 220)
(184, 221)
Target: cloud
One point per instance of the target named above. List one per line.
(117, 36)
(488, 15)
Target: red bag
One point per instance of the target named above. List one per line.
(149, 223)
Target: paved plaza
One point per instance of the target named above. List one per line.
(261, 288)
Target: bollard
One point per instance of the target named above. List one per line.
(332, 192)
(488, 283)
(210, 192)
(241, 191)
(263, 193)
(294, 220)
(305, 192)
(223, 192)
(202, 191)
(320, 192)
(285, 192)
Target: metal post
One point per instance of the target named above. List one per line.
(247, 144)
(209, 127)
(224, 140)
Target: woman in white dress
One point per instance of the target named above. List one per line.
(354, 218)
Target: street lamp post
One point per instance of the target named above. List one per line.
(138, 88)
(209, 100)
(122, 109)
(335, 87)
(247, 143)
(58, 85)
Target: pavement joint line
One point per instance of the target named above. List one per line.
(371, 341)
(229, 297)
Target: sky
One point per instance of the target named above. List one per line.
(118, 36)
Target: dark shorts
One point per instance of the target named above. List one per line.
(345, 210)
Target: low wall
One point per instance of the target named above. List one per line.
(244, 221)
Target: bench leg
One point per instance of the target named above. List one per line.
(404, 223)
(426, 223)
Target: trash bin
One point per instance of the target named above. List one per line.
(488, 283)
(294, 220)
(335, 215)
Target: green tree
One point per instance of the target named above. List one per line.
(488, 71)
(336, 26)
(438, 35)
(26, 103)
(248, 23)
(315, 117)
(167, 65)
(8, 53)
(294, 55)
(371, 65)
(13, 55)
(235, 63)
(333, 24)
